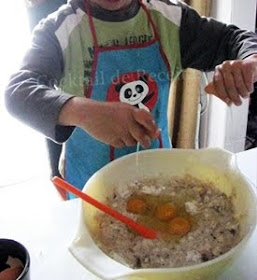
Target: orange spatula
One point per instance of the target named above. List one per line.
(142, 230)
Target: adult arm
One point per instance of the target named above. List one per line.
(207, 44)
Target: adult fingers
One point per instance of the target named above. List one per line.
(248, 76)
(229, 82)
(118, 143)
(239, 80)
(129, 140)
(140, 134)
(146, 120)
(219, 87)
(233, 80)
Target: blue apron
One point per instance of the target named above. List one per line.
(137, 74)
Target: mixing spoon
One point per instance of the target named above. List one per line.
(142, 230)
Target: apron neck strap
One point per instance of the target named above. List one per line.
(156, 34)
(92, 26)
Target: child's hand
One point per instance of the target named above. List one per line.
(234, 80)
(114, 123)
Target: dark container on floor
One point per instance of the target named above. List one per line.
(14, 249)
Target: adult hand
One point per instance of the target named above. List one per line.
(234, 79)
(114, 123)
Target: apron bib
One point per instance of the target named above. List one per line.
(138, 75)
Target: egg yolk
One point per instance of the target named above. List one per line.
(179, 226)
(136, 206)
(165, 212)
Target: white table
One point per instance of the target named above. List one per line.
(47, 234)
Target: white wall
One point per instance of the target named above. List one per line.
(244, 13)
(221, 10)
(226, 127)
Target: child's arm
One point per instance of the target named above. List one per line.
(31, 95)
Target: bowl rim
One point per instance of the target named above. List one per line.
(244, 240)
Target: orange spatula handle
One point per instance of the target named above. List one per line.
(142, 230)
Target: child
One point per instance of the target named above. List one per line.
(122, 56)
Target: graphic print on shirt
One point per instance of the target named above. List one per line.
(137, 88)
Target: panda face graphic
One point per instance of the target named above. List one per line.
(134, 93)
(138, 89)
